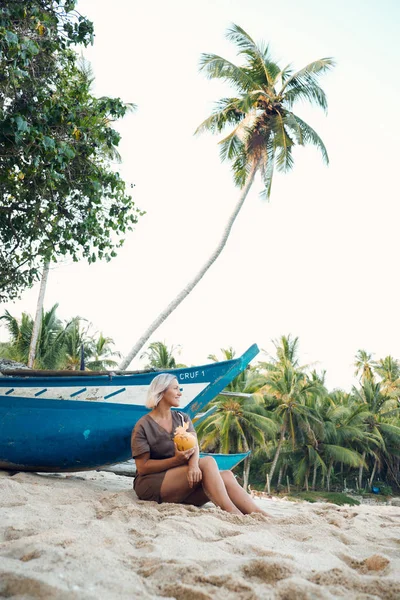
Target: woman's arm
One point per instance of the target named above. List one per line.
(194, 473)
(146, 465)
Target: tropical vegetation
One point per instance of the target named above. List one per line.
(303, 435)
(60, 195)
(61, 344)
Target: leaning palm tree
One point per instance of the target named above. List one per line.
(264, 130)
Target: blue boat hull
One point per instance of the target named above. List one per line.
(58, 435)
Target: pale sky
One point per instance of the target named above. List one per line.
(320, 260)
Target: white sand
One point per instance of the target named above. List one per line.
(87, 536)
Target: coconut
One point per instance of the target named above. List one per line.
(184, 440)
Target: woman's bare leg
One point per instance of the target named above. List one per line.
(214, 485)
(175, 486)
(239, 496)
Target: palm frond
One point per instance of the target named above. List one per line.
(216, 67)
(343, 455)
(283, 144)
(258, 57)
(307, 78)
(311, 137)
(228, 111)
(231, 146)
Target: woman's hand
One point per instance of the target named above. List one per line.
(194, 475)
(183, 456)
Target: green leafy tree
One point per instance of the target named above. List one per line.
(59, 195)
(264, 130)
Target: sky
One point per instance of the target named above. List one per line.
(320, 259)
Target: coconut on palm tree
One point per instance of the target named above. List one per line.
(263, 130)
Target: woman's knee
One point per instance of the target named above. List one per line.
(207, 462)
(228, 477)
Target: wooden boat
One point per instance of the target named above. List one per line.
(54, 435)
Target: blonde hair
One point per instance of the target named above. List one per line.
(157, 388)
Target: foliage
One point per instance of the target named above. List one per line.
(59, 195)
(59, 344)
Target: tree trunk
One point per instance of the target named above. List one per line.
(38, 317)
(314, 479)
(189, 287)
(246, 471)
(246, 465)
(328, 475)
(278, 450)
(306, 481)
(373, 472)
(280, 477)
(360, 471)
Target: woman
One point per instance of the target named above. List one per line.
(164, 474)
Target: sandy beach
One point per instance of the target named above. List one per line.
(86, 535)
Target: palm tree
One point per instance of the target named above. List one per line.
(388, 369)
(364, 365)
(239, 424)
(287, 350)
(343, 431)
(159, 356)
(101, 354)
(51, 338)
(76, 337)
(382, 423)
(287, 390)
(264, 130)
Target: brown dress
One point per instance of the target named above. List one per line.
(149, 436)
